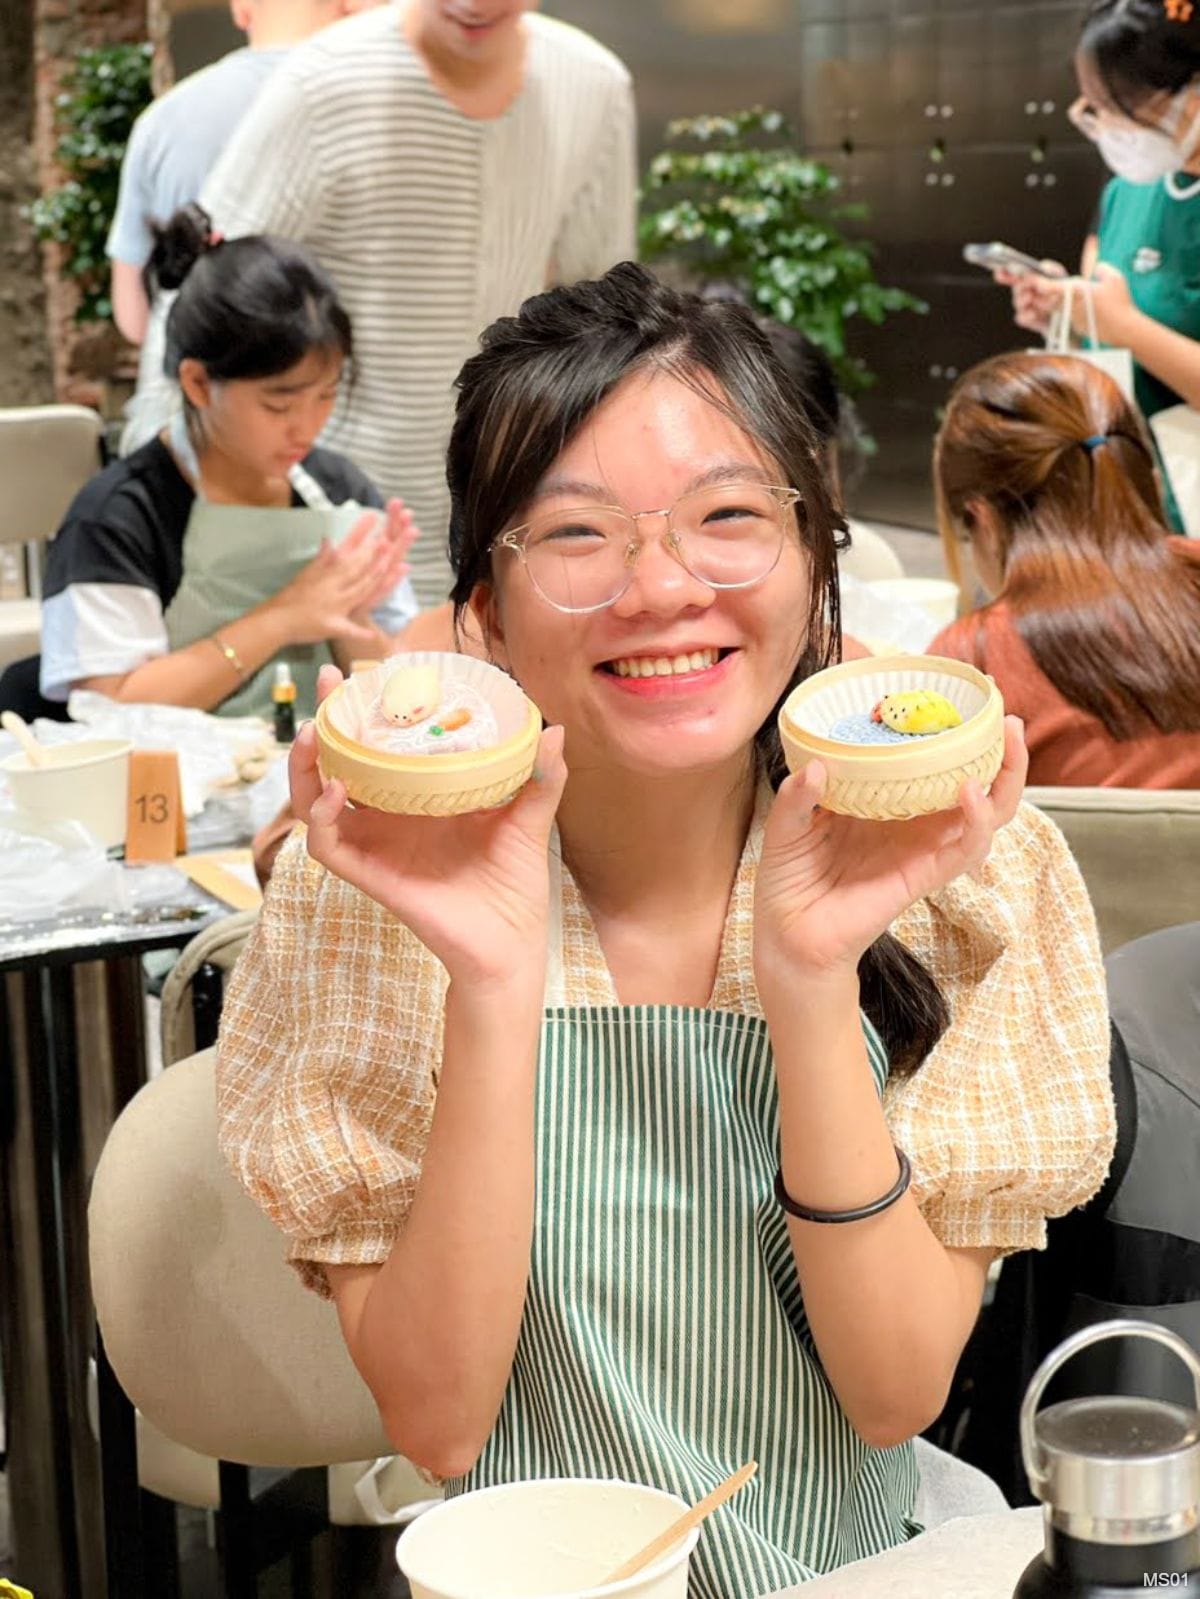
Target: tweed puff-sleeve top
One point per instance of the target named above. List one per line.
(331, 1045)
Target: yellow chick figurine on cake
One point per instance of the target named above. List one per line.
(916, 710)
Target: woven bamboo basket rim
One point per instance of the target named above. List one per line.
(473, 764)
(943, 752)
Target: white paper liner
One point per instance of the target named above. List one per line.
(854, 695)
(360, 691)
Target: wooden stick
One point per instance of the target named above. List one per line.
(680, 1528)
(211, 874)
(12, 723)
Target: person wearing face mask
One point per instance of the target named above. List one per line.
(1138, 65)
(442, 160)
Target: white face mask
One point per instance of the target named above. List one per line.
(1145, 155)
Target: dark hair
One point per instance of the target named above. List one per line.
(1108, 606)
(246, 308)
(539, 377)
(1140, 48)
(811, 371)
(832, 414)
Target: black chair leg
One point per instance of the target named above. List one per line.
(161, 1543)
(207, 998)
(301, 1564)
(125, 1552)
(235, 1534)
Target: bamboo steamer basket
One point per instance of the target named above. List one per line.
(429, 785)
(892, 782)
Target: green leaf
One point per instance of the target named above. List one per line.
(101, 97)
(733, 198)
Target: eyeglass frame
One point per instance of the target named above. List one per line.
(514, 539)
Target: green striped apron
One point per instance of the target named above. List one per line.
(237, 556)
(664, 1340)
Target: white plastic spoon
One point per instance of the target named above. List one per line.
(35, 753)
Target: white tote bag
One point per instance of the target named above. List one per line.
(1117, 363)
(1177, 434)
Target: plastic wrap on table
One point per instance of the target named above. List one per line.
(233, 777)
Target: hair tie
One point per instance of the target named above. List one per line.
(1094, 441)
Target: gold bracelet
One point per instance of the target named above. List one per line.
(230, 654)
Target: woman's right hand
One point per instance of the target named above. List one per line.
(1035, 299)
(320, 603)
(474, 889)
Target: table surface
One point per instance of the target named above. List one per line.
(971, 1557)
(93, 934)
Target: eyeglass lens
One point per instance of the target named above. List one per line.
(581, 558)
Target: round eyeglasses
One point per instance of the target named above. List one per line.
(582, 558)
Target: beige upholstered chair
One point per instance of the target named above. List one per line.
(207, 1328)
(215, 950)
(1139, 851)
(47, 454)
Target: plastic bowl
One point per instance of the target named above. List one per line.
(891, 782)
(555, 1539)
(86, 782)
(430, 785)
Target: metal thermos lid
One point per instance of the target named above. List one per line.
(1114, 1469)
(1119, 1459)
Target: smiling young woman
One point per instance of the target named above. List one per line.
(556, 1101)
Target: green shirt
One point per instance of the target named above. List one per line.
(1153, 237)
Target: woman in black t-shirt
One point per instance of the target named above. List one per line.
(184, 572)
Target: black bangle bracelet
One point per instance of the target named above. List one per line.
(861, 1212)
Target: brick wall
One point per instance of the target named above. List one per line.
(92, 365)
(24, 349)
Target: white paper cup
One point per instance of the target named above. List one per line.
(86, 782)
(556, 1539)
(935, 595)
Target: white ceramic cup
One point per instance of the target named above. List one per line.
(556, 1539)
(86, 782)
(935, 595)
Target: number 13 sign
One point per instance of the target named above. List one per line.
(155, 829)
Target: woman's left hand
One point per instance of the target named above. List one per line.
(829, 885)
(1113, 303)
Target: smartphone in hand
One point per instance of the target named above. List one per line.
(997, 257)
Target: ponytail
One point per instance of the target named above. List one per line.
(1107, 605)
(178, 245)
(247, 308)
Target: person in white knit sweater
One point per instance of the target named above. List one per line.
(443, 160)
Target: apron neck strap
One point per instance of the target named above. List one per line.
(304, 485)
(556, 984)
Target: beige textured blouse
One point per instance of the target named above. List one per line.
(331, 1043)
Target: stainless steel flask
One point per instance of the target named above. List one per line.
(1119, 1478)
